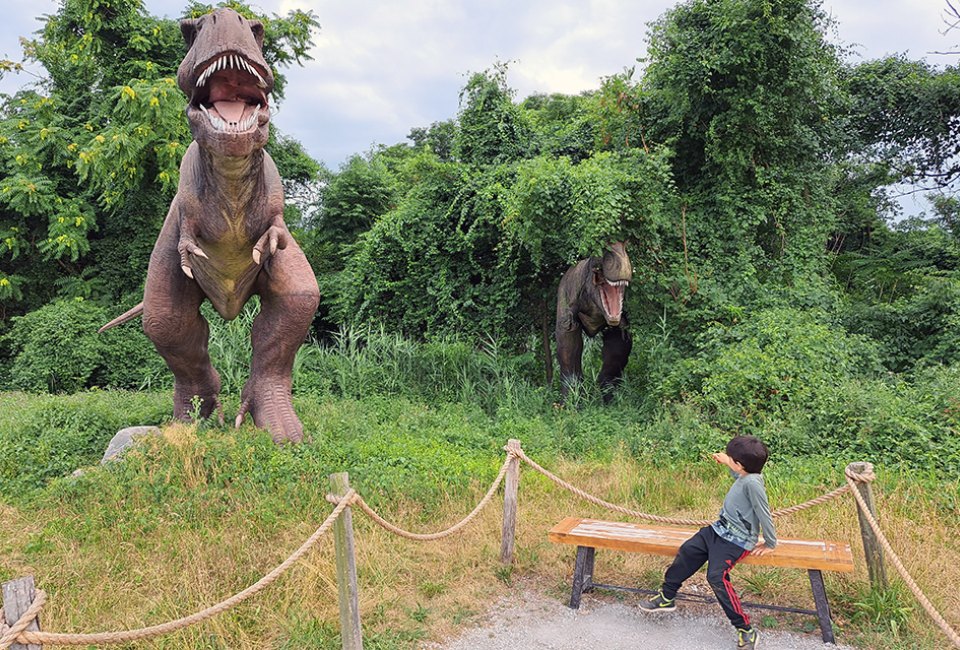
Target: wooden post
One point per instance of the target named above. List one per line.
(17, 597)
(871, 547)
(510, 488)
(346, 569)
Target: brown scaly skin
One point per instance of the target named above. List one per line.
(224, 238)
(587, 303)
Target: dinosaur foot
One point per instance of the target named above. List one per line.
(269, 403)
(193, 401)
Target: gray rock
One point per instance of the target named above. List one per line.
(124, 439)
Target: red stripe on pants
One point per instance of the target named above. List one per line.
(734, 599)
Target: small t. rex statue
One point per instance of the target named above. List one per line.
(590, 300)
(224, 238)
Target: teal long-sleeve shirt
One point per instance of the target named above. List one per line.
(746, 513)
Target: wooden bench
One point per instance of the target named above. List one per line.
(590, 534)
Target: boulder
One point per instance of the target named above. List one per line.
(125, 438)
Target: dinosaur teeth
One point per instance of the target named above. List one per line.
(230, 61)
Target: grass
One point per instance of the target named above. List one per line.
(191, 518)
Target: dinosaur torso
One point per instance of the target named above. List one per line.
(226, 204)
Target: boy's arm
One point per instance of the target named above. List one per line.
(758, 497)
(723, 459)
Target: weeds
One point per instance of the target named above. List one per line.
(886, 609)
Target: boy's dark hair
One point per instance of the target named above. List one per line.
(749, 451)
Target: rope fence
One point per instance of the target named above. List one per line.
(858, 475)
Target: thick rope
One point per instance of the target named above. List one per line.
(358, 500)
(865, 477)
(8, 635)
(104, 638)
(667, 520)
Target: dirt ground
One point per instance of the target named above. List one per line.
(535, 621)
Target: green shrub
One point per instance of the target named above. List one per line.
(922, 326)
(893, 421)
(57, 349)
(773, 363)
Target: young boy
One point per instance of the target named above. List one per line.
(732, 537)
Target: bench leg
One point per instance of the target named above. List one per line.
(582, 574)
(823, 606)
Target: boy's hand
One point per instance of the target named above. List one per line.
(721, 458)
(760, 549)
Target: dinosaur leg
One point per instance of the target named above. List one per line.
(616, 350)
(172, 320)
(569, 357)
(288, 302)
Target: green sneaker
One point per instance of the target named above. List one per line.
(658, 603)
(747, 638)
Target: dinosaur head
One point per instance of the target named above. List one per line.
(227, 81)
(611, 277)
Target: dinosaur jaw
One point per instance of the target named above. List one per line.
(611, 299)
(229, 109)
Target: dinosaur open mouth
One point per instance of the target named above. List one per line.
(231, 92)
(611, 296)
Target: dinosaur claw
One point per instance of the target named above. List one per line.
(268, 401)
(187, 271)
(256, 256)
(238, 421)
(199, 253)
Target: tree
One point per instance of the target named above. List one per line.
(905, 117)
(438, 137)
(746, 95)
(492, 129)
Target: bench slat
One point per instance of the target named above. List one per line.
(624, 536)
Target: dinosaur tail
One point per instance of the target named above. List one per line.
(123, 318)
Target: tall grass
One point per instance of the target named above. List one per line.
(364, 360)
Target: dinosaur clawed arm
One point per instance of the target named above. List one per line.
(276, 237)
(186, 247)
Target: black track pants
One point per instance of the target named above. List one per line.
(721, 556)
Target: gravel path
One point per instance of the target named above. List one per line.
(538, 622)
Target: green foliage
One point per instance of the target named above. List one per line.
(746, 96)
(353, 199)
(492, 130)
(767, 365)
(892, 421)
(571, 211)
(884, 609)
(903, 292)
(904, 115)
(437, 263)
(56, 348)
(365, 361)
(562, 125)
(437, 138)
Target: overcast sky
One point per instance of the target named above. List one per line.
(381, 68)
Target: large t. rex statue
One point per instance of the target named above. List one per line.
(590, 300)
(224, 238)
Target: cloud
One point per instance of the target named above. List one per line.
(381, 68)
